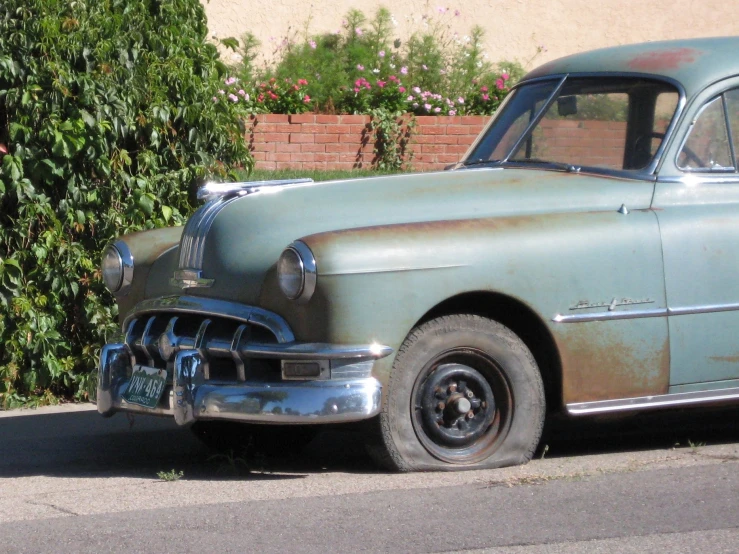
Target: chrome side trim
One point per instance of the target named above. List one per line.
(650, 402)
(211, 191)
(636, 314)
(603, 316)
(215, 308)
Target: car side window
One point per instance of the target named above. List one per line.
(707, 147)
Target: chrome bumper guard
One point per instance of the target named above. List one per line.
(190, 397)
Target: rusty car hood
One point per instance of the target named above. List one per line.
(247, 236)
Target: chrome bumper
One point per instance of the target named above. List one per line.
(192, 397)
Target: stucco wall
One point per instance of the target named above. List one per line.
(514, 28)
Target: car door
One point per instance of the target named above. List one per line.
(697, 206)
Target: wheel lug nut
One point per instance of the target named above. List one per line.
(470, 414)
(452, 388)
(470, 394)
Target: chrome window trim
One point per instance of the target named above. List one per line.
(648, 402)
(637, 314)
(214, 308)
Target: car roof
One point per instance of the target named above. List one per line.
(694, 63)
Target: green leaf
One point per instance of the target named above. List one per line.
(230, 42)
(166, 213)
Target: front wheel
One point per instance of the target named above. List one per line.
(464, 393)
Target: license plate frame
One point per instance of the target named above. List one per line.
(146, 386)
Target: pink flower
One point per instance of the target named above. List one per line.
(404, 70)
(437, 109)
(302, 82)
(230, 81)
(417, 90)
(312, 44)
(381, 53)
(500, 84)
(233, 98)
(358, 31)
(415, 104)
(460, 100)
(357, 89)
(215, 99)
(485, 97)
(401, 89)
(241, 92)
(393, 78)
(221, 92)
(306, 98)
(360, 67)
(441, 9)
(505, 76)
(483, 89)
(427, 107)
(452, 112)
(424, 67)
(381, 84)
(409, 99)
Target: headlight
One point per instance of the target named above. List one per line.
(117, 267)
(296, 272)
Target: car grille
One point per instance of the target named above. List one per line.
(154, 339)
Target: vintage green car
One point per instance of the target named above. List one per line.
(583, 258)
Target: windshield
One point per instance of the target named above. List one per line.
(615, 123)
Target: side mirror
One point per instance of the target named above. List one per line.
(567, 105)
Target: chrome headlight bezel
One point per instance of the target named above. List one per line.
(117, 268)
(296, 272)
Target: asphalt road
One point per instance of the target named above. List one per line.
(71, 481)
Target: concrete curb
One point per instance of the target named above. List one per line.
(46, 410)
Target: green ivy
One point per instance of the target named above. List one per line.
(393, 130)
(107, 121)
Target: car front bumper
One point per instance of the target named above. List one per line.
(190, 397)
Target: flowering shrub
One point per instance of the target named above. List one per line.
(362, 67)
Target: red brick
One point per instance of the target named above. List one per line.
(338, 129)
(326, 138)
(339, 165)
(302, 118)
(431, 130)
(423, 139)
(275, 118)
(302, 157)
(309, 147)
(352, 138)
(457, 130)
(457, 149)
(259, 156)
(312, 128)
(448, 158)
(355, 119)
(480, 120)
(267, 165)
(279, 156)
(288, 148)
(323, 157)
(333, 119)
(358, 129)
(466, 139)
(438, 148)
(314, 165)
(300, 137)
(427, 120)
(341, 147)
(263, 147)
(446, 139)
(275, 137)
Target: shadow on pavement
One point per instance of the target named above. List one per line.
(83, 444)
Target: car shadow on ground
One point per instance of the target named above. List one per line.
(83, 444)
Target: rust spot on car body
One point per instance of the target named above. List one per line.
(725, 359)
(600, 362)
(661, 60)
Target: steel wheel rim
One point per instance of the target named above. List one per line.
(441, 415)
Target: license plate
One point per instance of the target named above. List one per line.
(146, 386)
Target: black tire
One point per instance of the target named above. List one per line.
(274, 441)
(464, 393)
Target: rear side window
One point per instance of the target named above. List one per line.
(712, 139)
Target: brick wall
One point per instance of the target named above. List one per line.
(312, 141)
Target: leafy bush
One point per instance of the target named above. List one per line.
(106, 118)
(363, 67)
